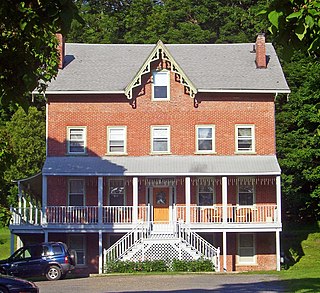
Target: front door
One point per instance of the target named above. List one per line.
(161, 204)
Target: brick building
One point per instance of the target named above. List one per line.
(161, 151)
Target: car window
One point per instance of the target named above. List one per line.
(36, 251)
(56, 249)
(22, 253)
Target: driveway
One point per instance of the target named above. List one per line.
(166, 283)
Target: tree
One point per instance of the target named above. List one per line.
(28, 55)
(295, 24)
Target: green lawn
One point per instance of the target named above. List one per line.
(4, 243)
(304, 276)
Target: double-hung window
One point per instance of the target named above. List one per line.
(246, 248)
(245, 139)
(205, 139)
(76, 140)
(116, 192)
(246, 192)
(160, 139)
(206, 194)
(76, 192)
(161, 85)
(117, 139)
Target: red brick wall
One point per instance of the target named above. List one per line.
(99, 111)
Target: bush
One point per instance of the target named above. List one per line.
(5, 216)
(159, 266)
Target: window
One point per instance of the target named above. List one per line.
(116, 192)
(246, 192)
(76, 192)
(246, 248)
(160, 136)
(76, 140)
(206, 194)
(205, 138)
(161, 87)
(117, 140)
(245, 139)
(78, 243)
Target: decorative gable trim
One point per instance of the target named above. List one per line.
(160, 52)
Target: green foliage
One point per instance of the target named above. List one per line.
(296, 24)
(132, 267)
(28, 55)
(298, 139)
(4, 242)
(159, 266)
(5, 216)
(202, 265)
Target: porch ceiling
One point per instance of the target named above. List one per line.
(162, 166)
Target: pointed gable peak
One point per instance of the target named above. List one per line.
(160, 52)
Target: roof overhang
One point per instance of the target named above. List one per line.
(250, 91)
(31, 185)
(162, 166)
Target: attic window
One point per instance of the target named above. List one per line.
(161, 85)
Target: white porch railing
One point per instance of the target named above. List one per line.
(207, 250)
(257, 214)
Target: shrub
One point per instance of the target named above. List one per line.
(201, 265)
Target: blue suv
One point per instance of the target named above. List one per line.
(51, 259)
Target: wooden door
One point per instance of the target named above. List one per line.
(161, 204)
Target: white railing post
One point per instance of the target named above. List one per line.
(135, 187)
(278, 193)
(188, 198)
(224, 199)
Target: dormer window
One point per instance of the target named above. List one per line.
(161, 85)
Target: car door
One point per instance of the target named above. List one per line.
(18, 262)
(35, 264)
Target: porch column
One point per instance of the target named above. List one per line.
(278, 250)
(135, 199)
(100, 200)
(11, 243)
(46, 236)
(44, 199)
(100, 253)
(188, 198)
(224, 250)
(224, 200)
(278, 194)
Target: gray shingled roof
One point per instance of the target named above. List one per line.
(211, 67)
(162, 166)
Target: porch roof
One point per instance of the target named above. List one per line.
(162, 166)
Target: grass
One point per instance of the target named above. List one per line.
(4, 242)
(304, 276)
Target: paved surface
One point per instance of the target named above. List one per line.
(166, 283)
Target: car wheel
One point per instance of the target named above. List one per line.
(3, 290)
(53, 273)
(74, 257)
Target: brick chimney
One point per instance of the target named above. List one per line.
(261, 58)
(61, 49)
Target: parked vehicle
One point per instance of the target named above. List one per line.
(9, 284)
(51, 259)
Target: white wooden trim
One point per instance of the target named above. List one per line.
(100, 199)
(213, 139)
(278, 250)
(224, 199)
(100, 252)
(188, 198)
(224, 250)
(135, 186)
(124, 128)
(252, 126)
(278, 196)
(44, 198)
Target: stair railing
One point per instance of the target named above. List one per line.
(206, 249)
(125, 243)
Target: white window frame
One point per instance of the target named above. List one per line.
(83, 187)
(246, 181)
(84, 248)
(213, 192)
(124, 192)
(161, 72)
(253, 260)
(252, 138)
(109, 130)
(212, 139)
(83, 131)
(164, 127)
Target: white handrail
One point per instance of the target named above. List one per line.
(207, 250)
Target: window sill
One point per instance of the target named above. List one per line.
(244, 153)
(160, 153)
(246, 264)
(76, 154)
(116, 154)
(205, 153)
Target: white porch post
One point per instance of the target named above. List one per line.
(224, 200)
(278, 194)
(44, 198)
(12, 243)
(100, 202)
(188, 198)
(278, 250)
(224, 250)
(46, 236)
(100, 253)
(135, 199)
